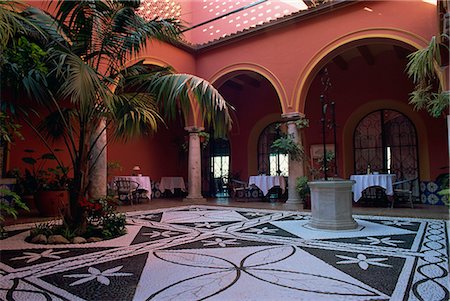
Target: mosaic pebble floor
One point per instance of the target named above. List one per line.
(214, 253)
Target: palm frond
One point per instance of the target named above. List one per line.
(10, 20)
(422, 63)
(179, 90)
(81, 84)
(134, 114)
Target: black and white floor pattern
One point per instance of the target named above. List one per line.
(215, 253)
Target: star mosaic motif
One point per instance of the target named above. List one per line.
(255, 213)
(206, 225)
(220, 242)
(261, 230)
(154, 234)
(397, 223)
(362, 261)
(298, 217)
(36, 256)
(101, 277)
(385, 240)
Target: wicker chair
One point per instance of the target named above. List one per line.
(127, 190)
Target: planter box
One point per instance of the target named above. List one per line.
(52, 202)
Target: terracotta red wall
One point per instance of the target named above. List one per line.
(287, 51)
(362, 84)
(157, 156)
(252, 105)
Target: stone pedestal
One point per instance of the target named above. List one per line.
(331, 205)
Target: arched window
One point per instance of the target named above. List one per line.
(387, 140)
(269, 161)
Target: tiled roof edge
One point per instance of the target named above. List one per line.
(270, 25)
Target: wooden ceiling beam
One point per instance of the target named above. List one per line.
(401, 52)
(366, 54)
(249, 80)
(340, 62)
(233, 84)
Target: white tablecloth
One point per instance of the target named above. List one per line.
(265, 183)
(364, 181)
(171, 183)
(144, 182)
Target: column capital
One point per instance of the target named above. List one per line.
(292, 116)
(194, 129)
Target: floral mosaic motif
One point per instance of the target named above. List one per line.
(382, 241)
(174, 260)
(162, 234)
(397, 223)
(262, 230)
(362, 261)
(99, 276)
(208, 225)
(220, 274)
(253, 214)
(31, 256)
(220, 242)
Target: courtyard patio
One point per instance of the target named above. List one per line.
(226, 250)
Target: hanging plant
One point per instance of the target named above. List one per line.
(287, 145)
(302, 123)
(204, 140)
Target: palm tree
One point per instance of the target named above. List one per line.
(86, 56)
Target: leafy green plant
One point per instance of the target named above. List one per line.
(113, 225)
(302, 187)
(40, 178)
(45, 228)
(9, 203)
(9, 128)
(302, 123)
(443, 182)
(287, 145)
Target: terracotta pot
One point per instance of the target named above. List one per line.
(29, 201)
(52, 202)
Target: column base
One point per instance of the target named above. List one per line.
(294, 201)
(194, 199)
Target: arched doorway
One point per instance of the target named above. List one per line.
(271, 162)
(387, 140)
(256, 102)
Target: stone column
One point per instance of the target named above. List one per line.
(194, 165)
(98, 175)
(295, 167)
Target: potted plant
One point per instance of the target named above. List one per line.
(48, 185)
(52, 198)
(304, 191)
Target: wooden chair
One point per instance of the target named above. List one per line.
(404, 192)
(127, 190)
(238, 189)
